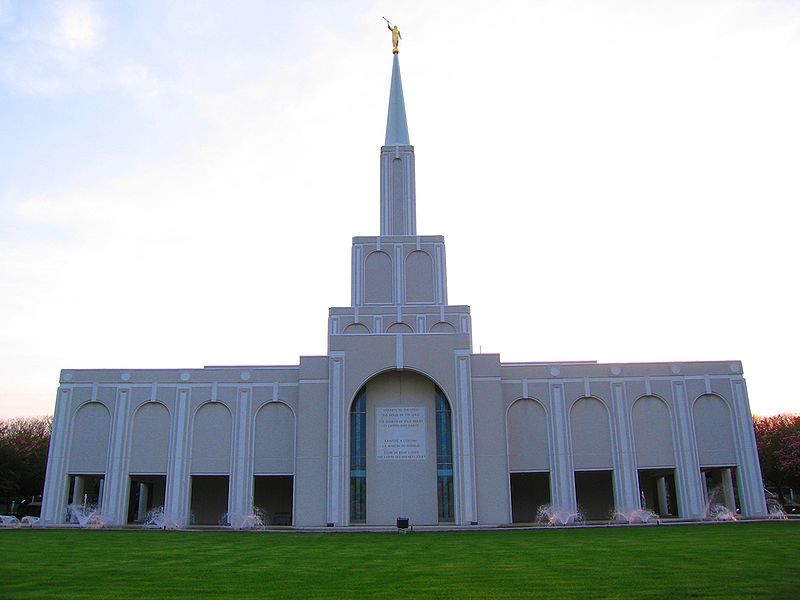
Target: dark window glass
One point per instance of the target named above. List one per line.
(358, 458)
(444, 458)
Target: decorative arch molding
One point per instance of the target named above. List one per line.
(532, 399)
(378, 278)
(90, 437)
(265, 403)
(226, 403)
(356, 329)
(713, 427)
(150, 438)
(715, 395)
(393, 369)
(212, 435)
(149, 402)
(653, 395)
(443, 327)
(590, 397)
(419, 277)
(527, 436)
(399, 327)
(105, 403)
(652, 432)
(590, 432)
(274, 439)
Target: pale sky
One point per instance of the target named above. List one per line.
(180, 181)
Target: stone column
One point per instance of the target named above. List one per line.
(663, 497)
(141, 508)
(727, 489)
(77, 490)
(100, 499)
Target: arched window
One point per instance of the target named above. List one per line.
(358, 458)
(444, 457)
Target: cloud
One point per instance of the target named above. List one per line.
(49, 49)
(138, 78)
(78, 27)
(625, 187)
(5, 11)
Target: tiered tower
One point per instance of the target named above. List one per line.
(399, 319)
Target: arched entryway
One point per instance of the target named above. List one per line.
(528, 459)
(149, 454)
(716, 451)
(401, 452)
(592, 456)
(273, 463)
(655, 455)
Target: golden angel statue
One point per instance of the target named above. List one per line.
(396, 37)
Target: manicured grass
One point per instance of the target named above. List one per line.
(757, 560)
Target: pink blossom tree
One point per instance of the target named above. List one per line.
(778, 439)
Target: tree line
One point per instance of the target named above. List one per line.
(24, 442)
(778, 440)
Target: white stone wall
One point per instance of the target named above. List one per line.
(698, 417)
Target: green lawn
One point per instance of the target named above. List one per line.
(757, 560)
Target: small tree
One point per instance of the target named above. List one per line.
(24, 443)
(778, 439)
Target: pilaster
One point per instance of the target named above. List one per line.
(398, 196)
(626, 481)
(178, 489)
(337, 472)
(688, 480)
(55, 484)
(562, 484)
(240, 501)
(115, 489)
(465, 480)
(750, 483)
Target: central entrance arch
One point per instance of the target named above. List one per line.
(401, 451)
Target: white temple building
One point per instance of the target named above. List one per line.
(401, 418)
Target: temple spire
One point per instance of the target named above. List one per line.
(396, 124)
(398, 194)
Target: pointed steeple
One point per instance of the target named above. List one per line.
(398, 194)
(396, 124)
